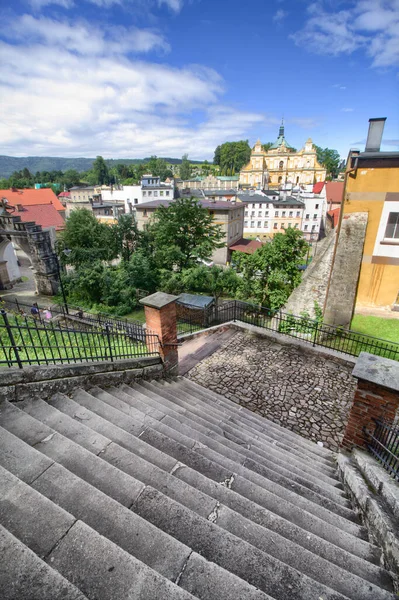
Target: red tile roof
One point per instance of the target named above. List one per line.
(31, 197)
(334, 191)
(64, 195)
(42, 214)
(247, 246)
(318, 187)
(334, 214)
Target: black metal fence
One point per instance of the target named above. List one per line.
(29, 341)
(383, 444)
(300, 327)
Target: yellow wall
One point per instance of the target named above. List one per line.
(378, 282)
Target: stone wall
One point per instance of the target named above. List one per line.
(341, 295)
(313, 287)
(42, 382)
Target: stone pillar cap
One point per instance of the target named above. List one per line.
(377, 369)
(158, 300)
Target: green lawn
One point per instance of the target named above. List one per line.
(386, 329)
(135, 315)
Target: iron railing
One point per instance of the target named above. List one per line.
(28, 341)
(383, 444)
(300, 327)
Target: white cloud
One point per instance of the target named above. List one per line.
(65, 93)
(347, 109)
(280, 16)
(368, 25)
(339, 86)
(83, 38)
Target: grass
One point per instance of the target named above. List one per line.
(44, 344)
(135, 315)
(386, 329)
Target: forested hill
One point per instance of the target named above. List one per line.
(9, 164)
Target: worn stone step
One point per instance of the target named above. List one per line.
(24, 576)
(314, 469)
(213, 543)
(305, 497)
(244, 443)
(261, 496)
(263, 444)
(166, 461)
(286, 438)
(103, 571)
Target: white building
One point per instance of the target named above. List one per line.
(129, 195)
(269, 212)
(314, 216)
(153, 189)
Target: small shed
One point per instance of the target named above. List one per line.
(196, 301)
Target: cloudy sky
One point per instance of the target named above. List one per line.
(131, 78)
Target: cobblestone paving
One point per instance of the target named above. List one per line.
(298, 389)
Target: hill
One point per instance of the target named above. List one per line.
(9, 164)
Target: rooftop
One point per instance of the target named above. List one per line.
(246, 246)
(334, 191)
(42, 214)
(221, 206)
(31, 197)
(196, 300)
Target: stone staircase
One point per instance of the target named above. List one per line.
(165, 490)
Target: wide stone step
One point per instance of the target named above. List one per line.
(286, 438)
(261, 443)
(260, 496)
(132, 533)
(317, 472)
(242, 443)
(303, 497)
(24, 576)
(193, 477)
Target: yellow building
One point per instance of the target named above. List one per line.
(372, 187)
(282, 164)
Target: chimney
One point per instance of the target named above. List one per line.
(374, 136)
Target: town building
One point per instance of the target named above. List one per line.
(210, 182)
(127, 195)
(152, 188)
(81, 197)
(315, 213)
(365, 271)
(269, 213)
(281, 164)
(229, 215)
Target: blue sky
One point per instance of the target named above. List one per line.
(131, 78)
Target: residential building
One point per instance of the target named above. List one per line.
(81, 197)
(365, 272)
(30, 197)
(127, 195)
(282, 164)
(229, 215)
(152, 188)
(269, 213)
(210, 182)
(314, 215)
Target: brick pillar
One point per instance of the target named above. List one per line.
(160, 318)
(376, 396)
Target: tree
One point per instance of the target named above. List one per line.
(185, 168)
(270, 274)
(232, 156)
(216, 158)
(182, 233)
(88, 239)
(70, 178)
(267, 146)
(330, 159)
(127, 236)
(100, 170)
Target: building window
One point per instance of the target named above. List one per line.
(245, 224)
(298, 214)
(313, 227)
(145, 213)
(283, 213)
(254, 206)
(150, 193)
(246, 213)
(136, 201)
(276, 213)
(266, 224)
(166, 193)
(296, 225)
(290, 225)
(392, 229)
(307, 217)
(144, 193)
(305, 228)
(253, 213)
(155, 193)
(78, 197)
(252, 223)
(275, 226)
(314, 216)
(267, 213)
(316, 207)
(281, 164)
(291, 214)
(161, 193)
(259, 223)
(260, 213)
(282, 226)
(280, 179)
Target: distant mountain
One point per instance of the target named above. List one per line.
(9, 164)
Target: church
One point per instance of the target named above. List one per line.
(281, 164)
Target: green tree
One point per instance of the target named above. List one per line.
(87, 239)
(100, 170)
(70, 178)
(214, 280)
(185, 168)
(216, 157)
(127, 236)
(267, 146)
(232, 156)
(270, 274)
(182, 233)
(330, 159)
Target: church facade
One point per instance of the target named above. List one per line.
(281, 164)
